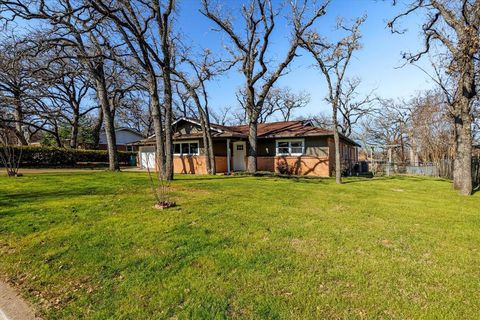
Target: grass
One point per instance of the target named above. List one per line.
(89, 245)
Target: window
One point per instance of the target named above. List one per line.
(283, 147)
(290, 147)
(239, 147)
(176, 148)
(187, 148)
(193, 148)
(129, 148)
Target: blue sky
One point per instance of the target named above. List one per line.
(377, 63)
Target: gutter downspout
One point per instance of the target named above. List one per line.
(228, 156)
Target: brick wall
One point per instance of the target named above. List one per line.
(296, 165)
(197, 164)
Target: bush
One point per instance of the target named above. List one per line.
(283, 168)
(50, 156)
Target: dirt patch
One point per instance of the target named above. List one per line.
(12, 306)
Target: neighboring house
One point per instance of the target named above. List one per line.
(124, 136)
(297, 147)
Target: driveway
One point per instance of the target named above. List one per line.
(12, 306)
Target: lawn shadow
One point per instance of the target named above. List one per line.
(187, 177)
(399, 177)
(12, 199)
(350, 180)
(475, 190)
(311, 180)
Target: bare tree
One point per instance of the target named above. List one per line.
(66, 87)
(333, 59)
(134, 112)
(387, 131)
(183, 104)
(353, 108)
(288, 102)
(453, 26)
(419, 130)
(201, 71)
(10, 156)
(322, 120)
(249, 46)
(15, 84)
(137, 23)
(76, 33)
(31, 99)
(430, 128)
(279, 105)
(222, 116)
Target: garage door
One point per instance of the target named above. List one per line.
(147, 159)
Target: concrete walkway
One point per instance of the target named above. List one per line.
(12, 306)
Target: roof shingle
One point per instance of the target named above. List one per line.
(281, 129)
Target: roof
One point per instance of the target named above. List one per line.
(130, 130)
(213, 127)
(281, 129)
(284, 129)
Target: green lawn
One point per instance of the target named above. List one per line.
(89, 245)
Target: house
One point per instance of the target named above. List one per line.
(124, 136)
(294, 147)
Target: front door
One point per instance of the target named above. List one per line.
(239, 154)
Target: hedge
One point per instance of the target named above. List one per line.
(50, 156)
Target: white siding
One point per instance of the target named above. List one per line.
(147, 157)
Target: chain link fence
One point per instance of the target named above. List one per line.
(442, 169)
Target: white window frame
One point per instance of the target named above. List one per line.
(187, 142)
(290, 147)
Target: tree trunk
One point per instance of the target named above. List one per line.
(252, 115)
(167, 90)
(74, 132)
(207, 135)
(18, 116)
(58, 141)
(155, 110)
(211, 155)
(336, 139)
(205, 131)
(97, 129)
(109, 125)
(462, 165)
(252, 146)
(97, 73)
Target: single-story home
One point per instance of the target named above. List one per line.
(295, 147)
(124, 136)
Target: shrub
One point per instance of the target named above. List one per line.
(51, 156)
(283, 168)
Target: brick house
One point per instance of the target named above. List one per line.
(297, 147)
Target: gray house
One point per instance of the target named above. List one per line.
(125, 137)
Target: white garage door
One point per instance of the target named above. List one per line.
(147, 159)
